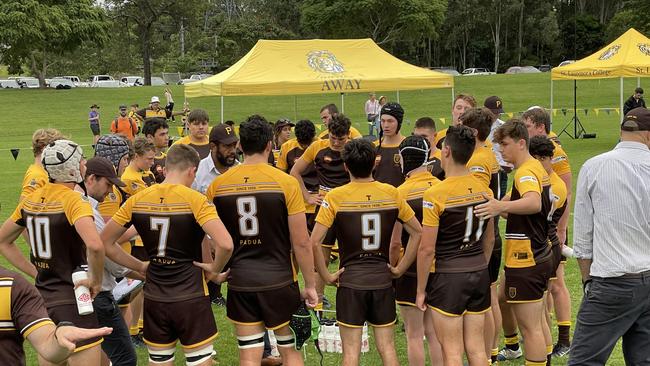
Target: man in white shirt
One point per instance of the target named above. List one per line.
(223, 155)
(611, 240)
(372, 109)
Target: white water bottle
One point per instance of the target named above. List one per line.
(82, 293)
(365, 345)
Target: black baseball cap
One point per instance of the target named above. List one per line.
(637, 119)
(223, 134)
(122, 106)
(283, 122)
(102, 167)
(494, 103)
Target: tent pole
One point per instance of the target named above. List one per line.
(295, 108)
(551, 114)
(638, 81)
(222, 109)
(342, 103)
(398, 96)
(621, 99)
(452, 96)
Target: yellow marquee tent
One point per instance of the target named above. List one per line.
(316, 66)
(627, 56)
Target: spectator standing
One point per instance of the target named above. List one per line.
(124, 125)
(372, 109)
(93, 118)
(634, 101)
(611, 236)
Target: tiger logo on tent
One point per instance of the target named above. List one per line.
(610, 52)
(644, 48)
(324, 61)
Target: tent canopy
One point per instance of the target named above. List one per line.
(316, 67)
(627, 56)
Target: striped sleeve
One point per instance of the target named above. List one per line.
(28, 311)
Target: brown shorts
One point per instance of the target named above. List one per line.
(190, 321)
(311, 221)
(455, 294)
(272, 308)
(406, 288)
(140, 253)
(527, 284)
(556, 258)
(494, 265)
(70, 313)
(355, 307)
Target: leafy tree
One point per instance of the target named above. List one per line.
(36, 32)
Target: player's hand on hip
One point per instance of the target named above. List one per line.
(315, 199)
(67, 336)
(491, 208)
(420, 301)
(207, 267)
(334, 277)
(143, 269)
(221, 277)
(395, 271)
(310, 296)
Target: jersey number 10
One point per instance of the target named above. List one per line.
(38, 229)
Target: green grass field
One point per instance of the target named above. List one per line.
(22, 111)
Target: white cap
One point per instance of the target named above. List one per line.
(534, 107)
(155, 99)
(61, 160)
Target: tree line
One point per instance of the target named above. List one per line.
(47, 37)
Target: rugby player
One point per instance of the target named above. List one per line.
(387, 165)
(363, 214)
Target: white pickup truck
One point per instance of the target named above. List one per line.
(105, 81)
(477, 71)
(76, 80)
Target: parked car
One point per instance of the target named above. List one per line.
(447, 70)
(566, 62)
(28, 82)
(476, 71)
(522, 70)
(76, 81)
(544, 68)
(105, 81)
(9, 84)
(132, 80)
(61, 83)
(155, 81)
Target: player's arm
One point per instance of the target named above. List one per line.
(317, 237)
(395, 244)
(530, 203)
(221, 244)
(505, 198)
(563, 224)
(414, 229)
(488, 240)
(426, 253)
(304, 255)
(109, 237)
(298, 169)
(9, 232)
(87, 230)
(56, 344)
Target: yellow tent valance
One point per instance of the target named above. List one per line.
(627, 56)
(317, 67)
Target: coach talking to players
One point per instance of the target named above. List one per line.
(611, 237)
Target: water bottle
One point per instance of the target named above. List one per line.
(82, 293)
(365, 345)
(338, 344)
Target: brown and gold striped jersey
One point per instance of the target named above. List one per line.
(328, 163)
(169, 219)
(35, 177)
(450, 207)
(22, 311)
(387, 165)
(435, 165)
(202, 148)
(290, 152)
(412, 190)
(527, 240)
(255, 202)
(49, 214)
(363, 215)
(558, 195)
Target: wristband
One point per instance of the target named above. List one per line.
(62, 324)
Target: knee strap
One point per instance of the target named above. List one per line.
(250, 341)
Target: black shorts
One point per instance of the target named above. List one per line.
(456, 294)
(311, 221)
(272, 308)
(527, 284)
(70, 313)
(494, 265)
(355, 307)
(139, 253)
(406, 288)
(556, 257)
(95, 129)
(190, 321)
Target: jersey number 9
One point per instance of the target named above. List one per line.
(370, 231)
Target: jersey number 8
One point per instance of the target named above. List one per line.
(247, 210)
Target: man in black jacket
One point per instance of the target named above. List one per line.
(635, 101)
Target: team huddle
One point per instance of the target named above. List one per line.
(414, 220)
